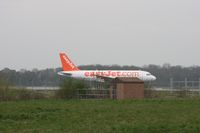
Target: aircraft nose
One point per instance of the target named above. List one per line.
(153, 78)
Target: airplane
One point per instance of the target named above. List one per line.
(71, 70)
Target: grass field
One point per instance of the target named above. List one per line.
(88, 116)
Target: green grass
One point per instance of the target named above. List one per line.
(88, 116)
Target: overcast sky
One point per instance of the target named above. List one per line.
(124, 32)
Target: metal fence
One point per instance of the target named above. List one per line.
(96, 90)
(94, 93)
(186, 84)
(176, 89)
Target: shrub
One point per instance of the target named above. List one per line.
(8, 93)
(68, 88)
(4, 86)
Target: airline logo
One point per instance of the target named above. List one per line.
(111, 74)
(68, 62)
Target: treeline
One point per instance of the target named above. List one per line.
(35, 77)
(49, 77)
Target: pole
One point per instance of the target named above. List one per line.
(199, 86)
(186, 87)
(186, 84)
(171, 84)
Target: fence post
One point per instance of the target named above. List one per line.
(171, 84)
(186, 87)
(199, 86)
(186, 84)
(77, 94)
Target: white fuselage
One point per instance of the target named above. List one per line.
(94, 74)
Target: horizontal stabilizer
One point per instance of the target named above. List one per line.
(64, 74)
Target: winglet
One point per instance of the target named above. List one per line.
(67, 64)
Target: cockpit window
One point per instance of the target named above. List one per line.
(148, 74)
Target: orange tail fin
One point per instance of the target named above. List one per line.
(67, 64)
